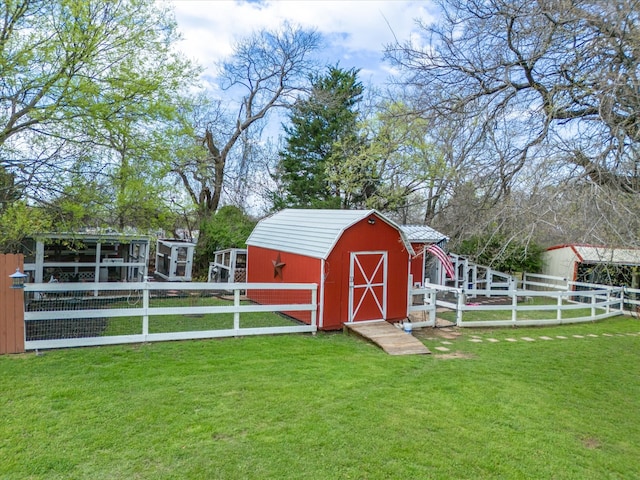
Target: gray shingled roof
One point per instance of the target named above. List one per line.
(422, 234)
(307, 231)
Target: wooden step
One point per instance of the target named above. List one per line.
(391, 339)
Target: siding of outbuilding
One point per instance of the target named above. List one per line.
(316, 247)
(365, 237)
(297, 269)
(417, 263)
(561, 262)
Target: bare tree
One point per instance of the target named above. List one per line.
(267, 70)
(549, 93)
(561, 71)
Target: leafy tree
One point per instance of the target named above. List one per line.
(412, 172)
(502, 253)
(323, 131)
(83, 79)
(8, 191)
(228, 228)
(17, 221)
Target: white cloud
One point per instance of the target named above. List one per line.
(355, 31)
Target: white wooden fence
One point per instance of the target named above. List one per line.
(547, 282)
(518, 306)
(131, 305)
(471, 276)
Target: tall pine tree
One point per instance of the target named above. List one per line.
(319, 124)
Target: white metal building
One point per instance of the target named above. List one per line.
(580, 262)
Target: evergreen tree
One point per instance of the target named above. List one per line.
(320, 127)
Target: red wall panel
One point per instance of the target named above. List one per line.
(364, 236)
(289, 268)
(417, 263)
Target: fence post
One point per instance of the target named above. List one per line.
(236, 313)
(314, 302)
(621, 300)
(11, 306)
(514, 304)
(432, 310)
(593, 302)
(145, 307)
(559, 309)
(461, 304)
(474, 279)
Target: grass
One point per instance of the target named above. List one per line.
(328, 406)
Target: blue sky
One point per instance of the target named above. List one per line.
(355, 32)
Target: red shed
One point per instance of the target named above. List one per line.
(359, 259)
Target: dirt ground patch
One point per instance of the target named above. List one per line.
(436, 333)
(453, 355)
(591, 443)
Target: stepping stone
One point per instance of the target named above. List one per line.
(447, 343)
(592, 335)
(442, 349)
(528, 339)
(577, 336)
(450, 336)
(492, 340)
(561, 337)
(632, 334)
(475, 340)
(511, 340)
(607, 335)
(546, 338)
(476, 336)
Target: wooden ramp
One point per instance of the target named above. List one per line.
(391, 339)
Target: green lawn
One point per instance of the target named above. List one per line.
(329, 406)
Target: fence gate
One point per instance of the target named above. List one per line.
(367, 286)
(11, 306)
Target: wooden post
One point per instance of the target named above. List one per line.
(462, 301)
(236, 314)
(11, 306)
(559, 307)
(514, 302)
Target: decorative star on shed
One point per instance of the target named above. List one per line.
(278, 265)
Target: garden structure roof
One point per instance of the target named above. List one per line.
(311, 232)
(599, 254)
(422, 234)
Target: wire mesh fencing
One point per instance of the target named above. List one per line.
(135, 312)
